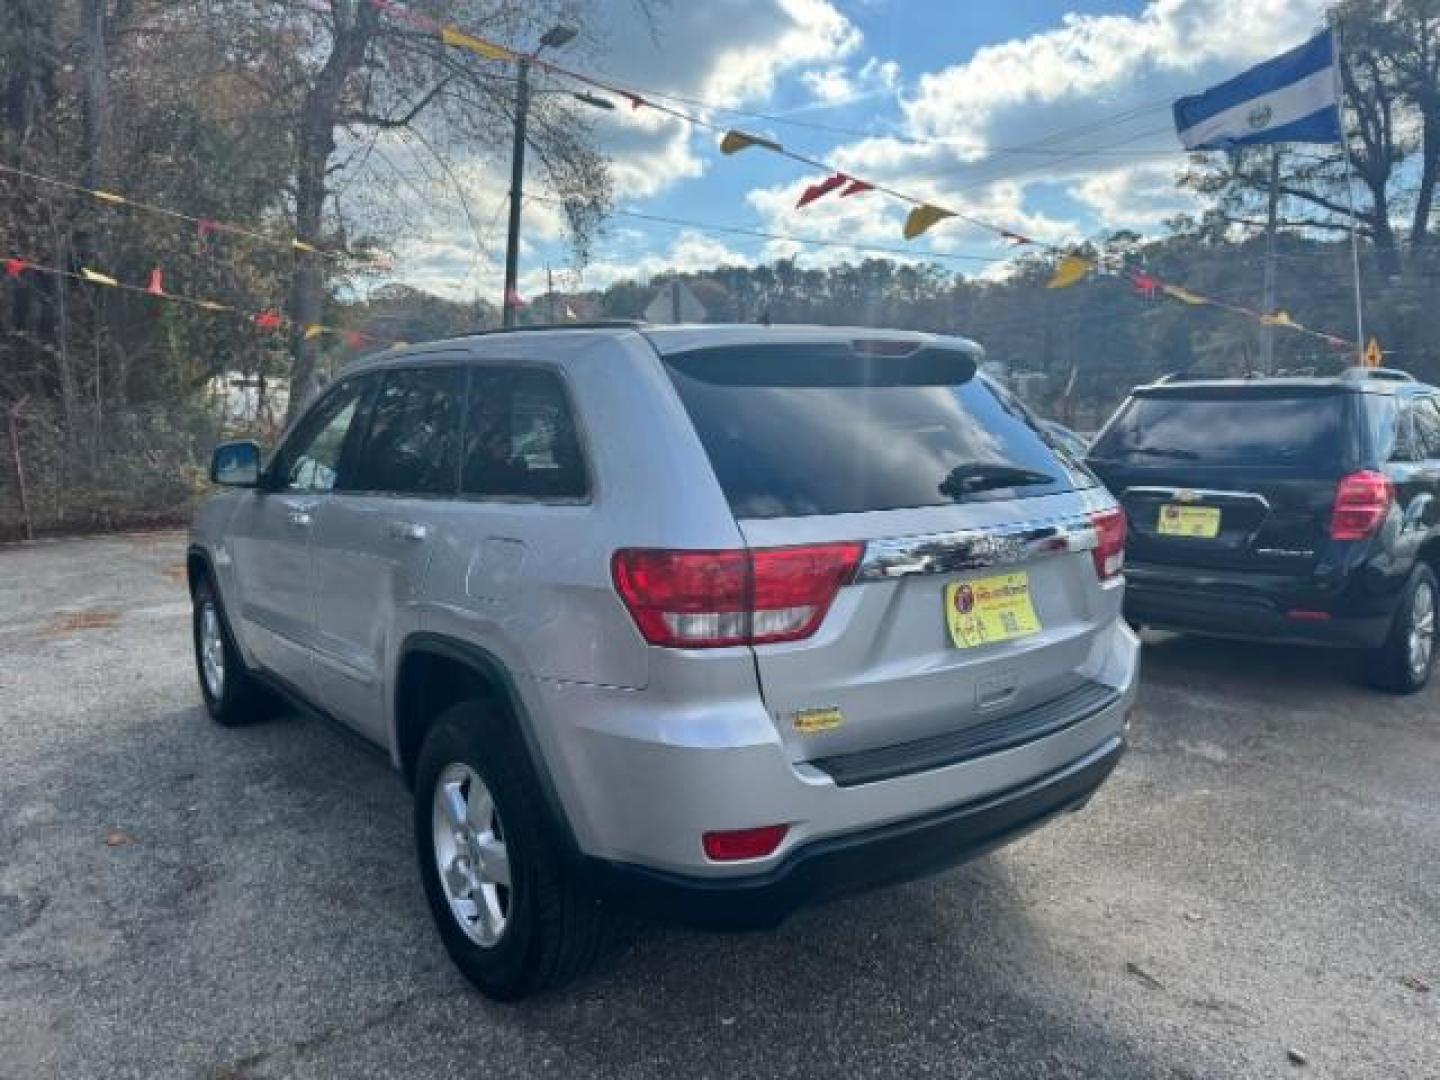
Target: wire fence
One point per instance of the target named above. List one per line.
(141, 467)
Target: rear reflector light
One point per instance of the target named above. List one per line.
(1362, 501)
(1302, 615)
(1110, 549)
(712, 599)
(744, 843)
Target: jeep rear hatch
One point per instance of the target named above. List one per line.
(958, 501)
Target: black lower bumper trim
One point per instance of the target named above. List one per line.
(884, 855)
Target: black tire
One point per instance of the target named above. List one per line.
(241, 700)
(1394, 667)
(555, 927)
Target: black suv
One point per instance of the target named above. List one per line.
(1289, 509)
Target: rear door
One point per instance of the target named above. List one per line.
(1231, 477)
(978, 597)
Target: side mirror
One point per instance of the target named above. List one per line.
(236, 464)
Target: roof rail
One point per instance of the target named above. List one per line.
(1380, 374)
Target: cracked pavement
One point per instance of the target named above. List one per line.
(1262, 874)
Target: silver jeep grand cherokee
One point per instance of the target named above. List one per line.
(705, 621)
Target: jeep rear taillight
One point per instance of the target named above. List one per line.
(712, 599)
(1109, 550)
(1361, 502)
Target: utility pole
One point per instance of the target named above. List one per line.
(517, 183)
(1267, 331)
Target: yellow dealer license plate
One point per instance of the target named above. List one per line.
(990, 609)
(1199, 522)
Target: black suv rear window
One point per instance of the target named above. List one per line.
(1298, 431)
(800, 430)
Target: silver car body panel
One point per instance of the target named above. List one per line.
(648, 748)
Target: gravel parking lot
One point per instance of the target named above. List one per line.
(1261, 876)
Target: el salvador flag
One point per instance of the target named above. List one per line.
(1292, 98)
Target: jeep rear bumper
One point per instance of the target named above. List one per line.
(835, 866)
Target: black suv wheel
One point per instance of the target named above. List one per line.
(1403, 664)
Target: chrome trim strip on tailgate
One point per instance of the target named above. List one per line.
(974, 549)
(1191, 495)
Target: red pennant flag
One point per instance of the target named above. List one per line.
(268, 321)
(824, 187)
(1145, 285)
(636, 101)
(354, 339)
(206, 228)
(856, 187)
(157, 282)
(513, 299)
(14, 268)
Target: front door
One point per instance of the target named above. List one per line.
(271, 537)
(374, 535)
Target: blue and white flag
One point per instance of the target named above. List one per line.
(1292, 98)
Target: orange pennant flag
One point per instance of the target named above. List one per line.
(735, 141)
(1071, 270)
(923, 217)
(157, 282)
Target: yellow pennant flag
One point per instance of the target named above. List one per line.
(313, 331)
(485, 49)
(109, 197)
(922, 217)
(97, 278)
(1185, 296)
(1281, 318)
(301, 245)
(1071, 270)
(211, 305)
(735, 141)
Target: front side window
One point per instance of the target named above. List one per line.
(520, 438)
(412, 444)
(310, 459)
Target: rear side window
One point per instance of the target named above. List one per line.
(1389, 427)
(1427, 427)
(1299, 431)
(520, 438)
(793, 431)
(412, 445)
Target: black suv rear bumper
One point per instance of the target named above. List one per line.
(1264, 607)
(890, 853)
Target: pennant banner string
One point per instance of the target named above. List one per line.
(204, 226)
(268, 320)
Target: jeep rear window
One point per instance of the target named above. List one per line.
(1299, 431)
(800, 430)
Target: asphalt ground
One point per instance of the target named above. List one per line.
(1260, 876)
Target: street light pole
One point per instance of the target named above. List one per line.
(517, 181)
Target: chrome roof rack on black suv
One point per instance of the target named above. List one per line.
(1379, 374)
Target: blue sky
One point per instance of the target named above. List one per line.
(1046, 116)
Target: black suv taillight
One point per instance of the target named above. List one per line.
(1361, 502)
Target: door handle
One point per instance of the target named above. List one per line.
(409, 530)
(299, 519)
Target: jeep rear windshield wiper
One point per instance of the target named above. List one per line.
(976, 476)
